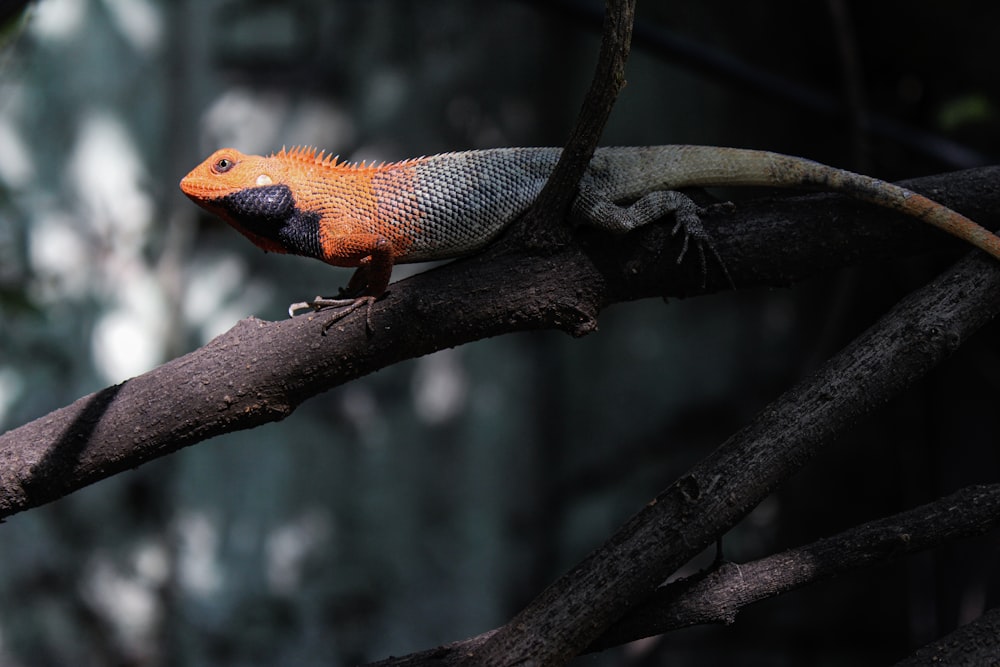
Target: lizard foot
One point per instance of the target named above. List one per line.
(347, 307)
(599, 211)
(689, 220)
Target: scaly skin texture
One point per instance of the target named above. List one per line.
(374, 216)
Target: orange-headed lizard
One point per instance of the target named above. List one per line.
(374, 216)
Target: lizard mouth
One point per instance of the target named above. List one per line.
(195, 187)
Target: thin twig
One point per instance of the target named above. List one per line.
(533, 637)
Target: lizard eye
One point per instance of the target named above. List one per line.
(222, 165)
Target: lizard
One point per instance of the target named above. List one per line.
(373, 216)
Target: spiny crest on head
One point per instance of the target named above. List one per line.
(310, 155)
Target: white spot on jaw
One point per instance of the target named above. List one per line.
(264, 179)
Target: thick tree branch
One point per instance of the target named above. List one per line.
(720, 490)
(260, 371)
(972, 645)
(718, 595)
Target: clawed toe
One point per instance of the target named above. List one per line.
(318, 303)
(348, 306)
(362, 301)
(692, 229)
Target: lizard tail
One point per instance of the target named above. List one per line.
(797, 171)
(743, 167)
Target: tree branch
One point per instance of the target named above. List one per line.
(552, 641)
(259, 371)
(536, 229)
(718, 595)
(608, 80)
(972, 645)
(715, 494)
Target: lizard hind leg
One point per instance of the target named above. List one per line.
(601, 212)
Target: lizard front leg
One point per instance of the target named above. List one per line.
(373, 255)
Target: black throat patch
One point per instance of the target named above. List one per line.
(269, 211)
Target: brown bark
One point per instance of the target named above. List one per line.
(716, 493)
(972, 645)
(260, 371)
(718, 595)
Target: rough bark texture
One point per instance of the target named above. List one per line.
(974, 645)
(718, 595)
(720, 490)
(261, 371)
(609, 79)
(559, 638)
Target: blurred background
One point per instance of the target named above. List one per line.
(430, 501)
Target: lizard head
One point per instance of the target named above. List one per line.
(226, 171)
(255, 195)
(248, 192)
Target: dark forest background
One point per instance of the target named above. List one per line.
(430, 501)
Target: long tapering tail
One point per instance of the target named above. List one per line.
(672, 167)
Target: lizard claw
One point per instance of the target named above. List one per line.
(687, 238)
(361, 301)
(689, 220)
(348, 306)
(308, 305)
